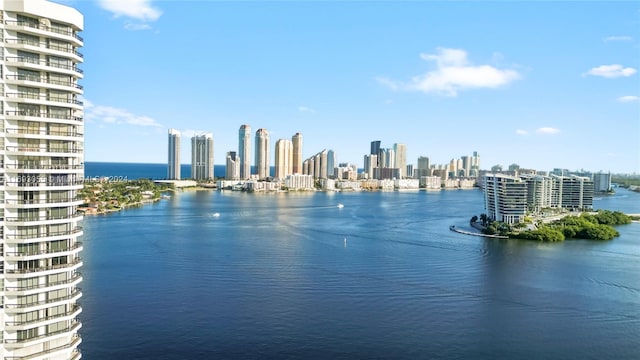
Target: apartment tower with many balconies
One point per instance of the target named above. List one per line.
(41, 172)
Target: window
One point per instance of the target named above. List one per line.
(28, 249)
(27, 39)
(29, 57)
(27, 334)
(30, 283)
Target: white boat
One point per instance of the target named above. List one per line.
(216, 214)
(340, 206)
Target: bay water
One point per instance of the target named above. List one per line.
(226, 275)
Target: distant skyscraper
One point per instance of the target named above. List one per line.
(297, 153)
(424, 167)
(284, 158)
(375, 147)
(466, 165)
(475, 165)
(370, 163)
(173, 165)
(262, 154)
(202, 157)
(232, 170)
(401, 158)
(331, 163)
(244, 151)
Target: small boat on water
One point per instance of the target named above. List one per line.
(340, 206)
(216, 215)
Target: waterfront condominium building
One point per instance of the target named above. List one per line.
(244, 151)
(505, 198)
(262, 154)
(539, 192)
(202, 157)
(297, 153)
(232, 170)
(572, 192)
(284, 158)
(173, 163)
(401, 158)
(41, 167)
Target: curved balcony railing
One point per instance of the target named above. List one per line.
(24, 218)
(35, 25)
(75, 293)
(30, 131)
(75, 324)
(68, 49)
(44, 268)
(29, 60)
(40, 201)
(75, 246)
(42, 115)
(43, 149)
(42, 80)
(43, 167)
(74, 311)
(73, 231)
(75, 354)
(77, 276)
(43, 97)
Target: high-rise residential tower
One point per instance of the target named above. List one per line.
(202, 156)
(297, 153)
(244, 151)
(284, 158)
(232, 170)
(41, 137)
(401, 158)
(262, 154)
(173, 164)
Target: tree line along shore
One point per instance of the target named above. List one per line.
(598, 225)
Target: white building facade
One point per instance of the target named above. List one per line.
(41, 157)
(173, 162)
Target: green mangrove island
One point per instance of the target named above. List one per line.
(595, 225)
(102, 196)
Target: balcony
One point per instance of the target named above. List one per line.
(42, 80)
(36, 218)
(75, 262)
(15, 308)
(75, 341)
(25, 132)
(24, 255)
(50, 151)
(43, 167)
(30, 237)
(66, 49)
(22, 114)
(75, 280)
(42, 201)
(43, 97)
(16, 343)
(35, 25)
(76, 310)
(23, 60)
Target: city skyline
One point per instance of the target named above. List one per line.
(544, 85)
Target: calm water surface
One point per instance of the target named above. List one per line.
(294, 276)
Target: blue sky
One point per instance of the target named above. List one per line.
(543, 85)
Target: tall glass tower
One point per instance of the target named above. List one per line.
(202, 157)
(244, 151)
(173, 164)
(262, 154)
(41, 173)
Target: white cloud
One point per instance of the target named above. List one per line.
(617, 38)
(306, 109)
(521, 132)
(454, 72)
(547, 130)
(611, 71)
(113, 115)
(628, 99)
(137, 27)
(137, 9)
